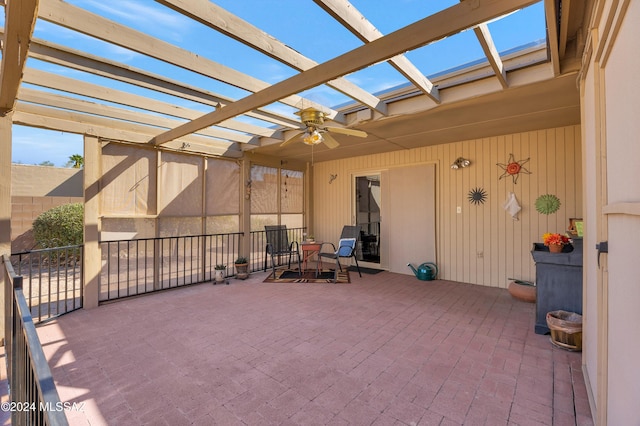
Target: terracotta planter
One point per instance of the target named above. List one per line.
(526, 293)
(555, 248)
(242, 271)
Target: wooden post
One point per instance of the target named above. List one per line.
(5, 204)
(92, 257)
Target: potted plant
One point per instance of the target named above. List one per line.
(555, 241)
(219, 272)
(242, 267)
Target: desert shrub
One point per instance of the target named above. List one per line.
(60, 226)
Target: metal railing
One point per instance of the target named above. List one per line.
(33, 398)
(54, 283)
(135, 267)
(54, 279)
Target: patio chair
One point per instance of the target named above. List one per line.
(346, 248)
(278, 245)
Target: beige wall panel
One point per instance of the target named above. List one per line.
(622, 113)
(128, 180)
(181, 181)
(590, 272)
(43, 181)
(482, 244)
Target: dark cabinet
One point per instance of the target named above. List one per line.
(558, 281)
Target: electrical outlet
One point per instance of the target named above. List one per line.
(458, 209)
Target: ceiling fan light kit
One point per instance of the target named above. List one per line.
(312, 138)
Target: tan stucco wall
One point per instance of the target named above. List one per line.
(482, 244)
(36, 189)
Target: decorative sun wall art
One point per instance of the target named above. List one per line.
(547, 204)
(477, 196)
(513, 168)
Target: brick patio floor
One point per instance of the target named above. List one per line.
(386, 349)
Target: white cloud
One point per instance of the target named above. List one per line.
(154, 19)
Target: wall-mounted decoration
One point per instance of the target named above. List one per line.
(547, 204)
(512, 206)
(477, 196)
(460, 163)
(513, 168)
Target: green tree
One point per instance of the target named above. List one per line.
(76, 161)
(46, 163)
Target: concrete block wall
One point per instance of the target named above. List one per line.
(34, 190)
(24, 210)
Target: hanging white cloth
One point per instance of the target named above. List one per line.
(511, 206)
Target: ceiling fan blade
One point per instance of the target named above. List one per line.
(329, 141)
(345, 131)
(292, 138)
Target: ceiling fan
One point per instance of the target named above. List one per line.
(315, 132)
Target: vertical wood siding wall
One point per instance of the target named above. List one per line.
(482, 244)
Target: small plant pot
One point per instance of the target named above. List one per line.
(524, 292)
(218, 275)
(242, 271)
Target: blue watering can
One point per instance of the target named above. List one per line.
(426, 271)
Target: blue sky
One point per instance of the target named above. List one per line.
(300, 24)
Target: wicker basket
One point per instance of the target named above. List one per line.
(566, 329)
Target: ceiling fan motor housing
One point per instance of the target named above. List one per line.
(312, 117)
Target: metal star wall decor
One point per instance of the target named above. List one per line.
(477, 196)
(513, 168)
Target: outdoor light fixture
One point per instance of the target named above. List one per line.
(460, 163)
(313, 138)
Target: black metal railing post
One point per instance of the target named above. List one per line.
(33, 397)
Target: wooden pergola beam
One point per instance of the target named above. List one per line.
(221, 20)
(82, 61)
(85, 22)
(20, 19)
(434, 27)
(354, 21)
(73, 122)
(491, 52)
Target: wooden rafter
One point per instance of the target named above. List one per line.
(74, 122)
(88, 23)
(552, 34)
(221, 20)
(490, 51)
(83, 106)
(354, 21)
(20, 19)
(82, 88)
(445, 23)
(86, 62)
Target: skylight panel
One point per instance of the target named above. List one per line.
(524, 27)
(447, 54)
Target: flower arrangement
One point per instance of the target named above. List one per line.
(550, 239)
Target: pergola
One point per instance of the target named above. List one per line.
(490, 96)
